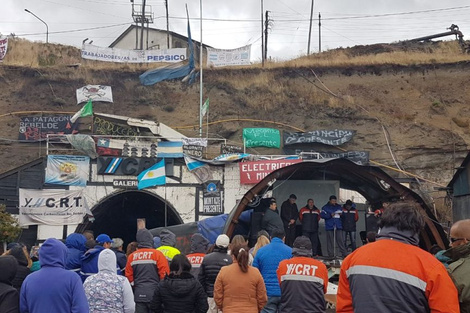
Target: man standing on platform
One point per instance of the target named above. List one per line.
(289, 215)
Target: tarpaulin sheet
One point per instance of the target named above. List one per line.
(212, 227)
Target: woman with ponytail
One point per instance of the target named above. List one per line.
(239, 287)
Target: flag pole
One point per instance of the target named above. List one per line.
(166, 207)
(207, 133)
(200, 65)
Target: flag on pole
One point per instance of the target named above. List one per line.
(205, 107)
(154, 176)
(87, 110)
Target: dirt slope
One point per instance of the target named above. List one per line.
(424, 108)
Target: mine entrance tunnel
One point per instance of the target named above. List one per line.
(117, 214)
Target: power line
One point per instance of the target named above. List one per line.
(75, 30)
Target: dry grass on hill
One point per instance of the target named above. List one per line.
(22, 52)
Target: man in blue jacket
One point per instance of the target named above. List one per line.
(90, 258)
(331, 213)
(267, 261)
(53, 289)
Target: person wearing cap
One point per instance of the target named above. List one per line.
(271, 219)
(53, 288)
(303, 280)
(331, 213)
(210, 268)
(199, 246)
(289, 215)
(90, 258)
(145, 268)
(349, 219)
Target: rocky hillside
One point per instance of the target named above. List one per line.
(418, 103)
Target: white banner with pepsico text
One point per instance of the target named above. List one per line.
(51, 207)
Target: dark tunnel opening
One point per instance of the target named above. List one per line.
(117, 215)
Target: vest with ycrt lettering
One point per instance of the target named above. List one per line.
(303, 281)
(144, 269)
(196, 260)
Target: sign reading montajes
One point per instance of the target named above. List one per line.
(51, 207)
(253, 172)
(35, 128)
(358, 157)
(93, 52)
(262, 137)
(334, 137)
(212, 198)
(70, 170)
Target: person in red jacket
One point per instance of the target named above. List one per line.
(199, 246)
(309, 216)
(303, 280)
(393, 274)
(144, 269)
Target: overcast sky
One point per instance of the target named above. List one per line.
(231, 24)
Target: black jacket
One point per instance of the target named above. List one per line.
(289, 212)
(9, 297)
(271, 220)
(23, 269)
(210, 268)
(179, 293)
(309, 218)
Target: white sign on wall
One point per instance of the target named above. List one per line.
(93, 52)
(51, 207)
(220, 57)
(94, 93)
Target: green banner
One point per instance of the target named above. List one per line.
(262, 137)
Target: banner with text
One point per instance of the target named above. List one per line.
(334, 137)
(94, 93)
(212, 198)
(35, 128)
(232, 57)
(3, 47)
(262, 137)
(195, 142)
(252, 172)
(358, 157)
(226, 149)
(103, 126)
(51, 207)
(93, 52)
(70, 170)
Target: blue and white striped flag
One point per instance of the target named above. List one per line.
(193, 164)
(154, 176)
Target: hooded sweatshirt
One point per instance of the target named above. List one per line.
(168, 244)
(75, 244)
(107, 291)
(199, 245)
(9, 298)
(23, 270)
(145, 267)
(179, 294)
(64, 291)
(89, 262)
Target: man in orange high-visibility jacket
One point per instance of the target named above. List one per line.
(393, 274)
(303, 280)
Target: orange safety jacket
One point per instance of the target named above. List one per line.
(393, 276)
(303, 281)
(196, 260)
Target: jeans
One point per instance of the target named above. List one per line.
(352, 239)
(272, 306)
(142, 307)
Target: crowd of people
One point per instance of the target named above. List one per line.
(391, 274)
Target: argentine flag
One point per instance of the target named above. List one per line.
(154, 176)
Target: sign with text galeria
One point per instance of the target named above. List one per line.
(51, 206)
(252, 172)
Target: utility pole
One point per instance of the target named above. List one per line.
(266, 22)
(310, 28)
(319, 32)
(143, 26)
(167, 26)
(262, 34)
